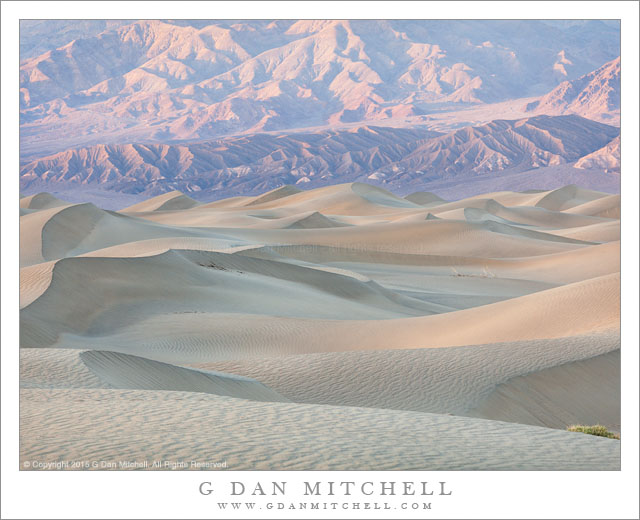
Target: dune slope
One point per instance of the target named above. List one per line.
(560, 396)
(124, 371)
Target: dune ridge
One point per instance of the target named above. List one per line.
(189, 336)
(278, 193)
(567, 197)
(171, 201)
(413, 379)
(41, 201)
(607, 207)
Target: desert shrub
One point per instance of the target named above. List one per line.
(597, 429)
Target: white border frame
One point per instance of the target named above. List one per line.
(175, 495)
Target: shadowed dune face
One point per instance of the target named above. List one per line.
(278, 193)
(534, 398)
(41, 201)
(174, 200)
(501, 307)
(124, 371)
(567, 197)
(424, 198)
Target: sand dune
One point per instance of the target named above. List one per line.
(566, 267)
(557, 268)
(56, 368)
(124, 371)
(397, 234)
(259, 218)
(606, 207)
(560, 396)
(173, 200)
(568, 197)
(602, 232)
(41, 201)
(507, 229)
(314, 221)
(187, 335)
(278, 193)
(230, 202)
(82, 295)
(433, 237)
(358, 204)
(523, 215)
(68, 228)
(156, 246)
(342, 199)
(363, 309)
(514, 198)
(34, 280)
(414, 379)
(481, 215)
(203, 217)
(563, 268)
(31, 239)
(424, 198)
(76, 229)
(256, 219)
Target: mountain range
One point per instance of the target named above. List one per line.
(230, 106)
(398, 157)
(595, 95)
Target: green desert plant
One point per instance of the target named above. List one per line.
(597, 429)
